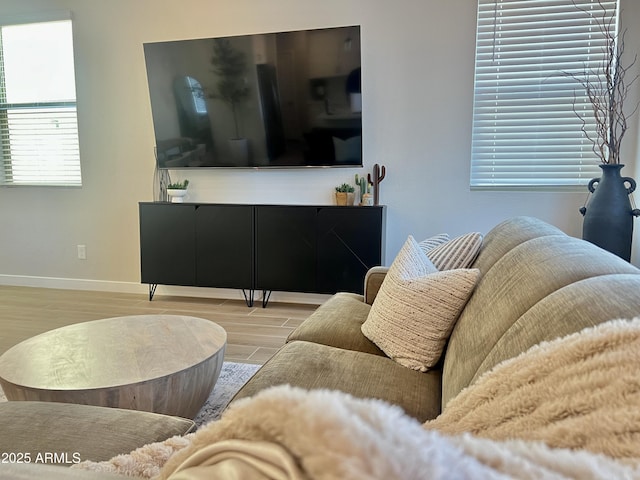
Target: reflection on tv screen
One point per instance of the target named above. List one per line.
(287, 99)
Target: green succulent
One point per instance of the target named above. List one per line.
(178, 185)
(345, 187)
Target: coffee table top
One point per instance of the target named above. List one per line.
(111, 352)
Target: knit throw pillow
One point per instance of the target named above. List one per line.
(459, 252)
(417, 307)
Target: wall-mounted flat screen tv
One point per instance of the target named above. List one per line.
(287, 99)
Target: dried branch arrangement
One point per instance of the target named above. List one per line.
(607, 88)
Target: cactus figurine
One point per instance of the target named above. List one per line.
(362, 184)
(378, 175)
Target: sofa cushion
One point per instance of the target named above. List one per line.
(81, 432)
(507, 235)
(311, 366)
(513, 287)
(459, 252)
(416, 308)
(337, 323)
(566, 311)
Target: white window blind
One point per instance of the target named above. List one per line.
(525, 130)
(38, 122)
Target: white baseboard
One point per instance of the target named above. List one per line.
(139, 288)
(72, 284)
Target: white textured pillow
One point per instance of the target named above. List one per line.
(459, 252)
(416, 308)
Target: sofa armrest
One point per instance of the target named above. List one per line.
(372, 281)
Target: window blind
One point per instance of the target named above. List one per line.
(38, 121)
(525, 130)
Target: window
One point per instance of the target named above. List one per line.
(197, 96)
(38, 122)
(525, 130)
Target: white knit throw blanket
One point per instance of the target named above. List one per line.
(581, 392)
(289, 433)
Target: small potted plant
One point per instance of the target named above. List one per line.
(177, 191)
(365, 191)
(345, 194)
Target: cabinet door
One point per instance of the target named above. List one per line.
(286, 248)
(224, 246)
(167, 244)
(350, 242)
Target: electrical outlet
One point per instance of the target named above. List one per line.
(82, 252)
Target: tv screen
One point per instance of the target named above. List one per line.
(287, 99)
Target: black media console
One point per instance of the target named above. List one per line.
(293, 248)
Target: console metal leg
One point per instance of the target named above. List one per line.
(248, 298)
(152, 290)
(265, 297)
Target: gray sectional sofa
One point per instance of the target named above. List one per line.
(536, 284)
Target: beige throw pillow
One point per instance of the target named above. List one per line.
(459, 252)
(417, 307)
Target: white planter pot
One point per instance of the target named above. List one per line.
(175, 195)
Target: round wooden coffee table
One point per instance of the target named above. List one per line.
(158, 363)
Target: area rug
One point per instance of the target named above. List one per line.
(232, 377)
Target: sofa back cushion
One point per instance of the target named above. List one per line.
(532, 285)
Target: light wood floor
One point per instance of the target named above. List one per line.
(253, 334)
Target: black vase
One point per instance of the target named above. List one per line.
(608, 217)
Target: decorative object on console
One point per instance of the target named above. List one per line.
(379, 173)
(367, 200)
(417, 307)
(364, 188)
(177, 191)
(608, 215)
(161, 179)
(345, 194)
